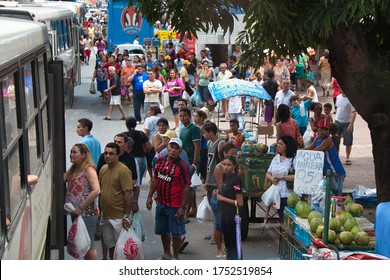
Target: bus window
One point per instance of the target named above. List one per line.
(61, 35)
(45, 127)
(41, 74)
(28, 90)
(14, 193)
(33, 147)
(9, 105)
(65, 27)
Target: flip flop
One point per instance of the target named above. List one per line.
(221, 256)
(348, 162)
(107, 119)
(183, 246)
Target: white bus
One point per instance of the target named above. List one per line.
(64, 37)
(32, 137)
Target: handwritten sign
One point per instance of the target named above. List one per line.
(308, 171)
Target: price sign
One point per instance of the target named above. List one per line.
(308, 171)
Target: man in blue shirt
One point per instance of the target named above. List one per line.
(84, 127)
(137, 79)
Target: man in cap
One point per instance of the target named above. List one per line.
(184, 76)
(332, 162)
(166, 137)
(172, 182)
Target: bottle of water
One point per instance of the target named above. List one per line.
(271, 149)
(246, 149)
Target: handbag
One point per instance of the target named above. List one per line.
(205, 212)
(92, 89)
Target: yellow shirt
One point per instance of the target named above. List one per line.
(324, 64)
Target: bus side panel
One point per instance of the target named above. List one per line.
(124, 23)
(19, 247)
(41, 205)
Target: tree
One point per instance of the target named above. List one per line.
(355, 31)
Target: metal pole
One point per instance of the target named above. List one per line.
(327, 207)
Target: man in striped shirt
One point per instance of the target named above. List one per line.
(172, 182)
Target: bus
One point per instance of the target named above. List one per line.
(64, 37)
(32, 136)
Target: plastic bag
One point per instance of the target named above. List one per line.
(307, 137)
(92, 89)
(165, 99)
(318, 197)
(78, 239)
(128, 246)
(271, 197)
(162, 108)
(195, 180)
(136, 223)
(196, 99)
(185, 95)
(204, 213)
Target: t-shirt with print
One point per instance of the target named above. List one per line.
(230, 188)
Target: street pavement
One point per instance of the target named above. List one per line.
(258, 245)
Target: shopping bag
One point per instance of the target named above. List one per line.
(186, 96)
(136, 223)
(79, 242)
(162, 108)
(196, 99)
(204, 213)
(128, 246)
(271, 197)
(92, 89)
(123, 91)
(165, 99)
(195, 181)
(307, 137)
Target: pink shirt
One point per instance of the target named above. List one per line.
(174, 83)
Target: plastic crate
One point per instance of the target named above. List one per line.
(367, 201)
(289, 247)
(289, 215)
(302, 231)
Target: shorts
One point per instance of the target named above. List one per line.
(110, 229)
(343, 132)
(115, 100)
(337, 183)
(87, 53)
(167, 223)
(90, 223)
(173, 104)
(269, 113)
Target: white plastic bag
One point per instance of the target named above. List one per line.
(185, 95)
(128, 246)
(78, 239)
(195, 181)
(307, 137)
(204, 213)
(165, 99)
(271, 197)
(136, 223)
(162, 108)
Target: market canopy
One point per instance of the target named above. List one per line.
(236, 87)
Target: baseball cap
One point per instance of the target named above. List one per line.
(170, 134)
(186, 62)
(167, 57)
(324, 123)
(207, 49)
(176, 141)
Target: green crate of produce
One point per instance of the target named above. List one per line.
(255, 171)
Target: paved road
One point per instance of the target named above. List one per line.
(258, 245)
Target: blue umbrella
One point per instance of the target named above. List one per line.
(237, 218)
(235, 87)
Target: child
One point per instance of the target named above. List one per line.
(299, 111)
(230, 198)
(333, 129)
(328, 112)
(235, 137)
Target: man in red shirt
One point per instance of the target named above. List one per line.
(172, 182)
(112, 62)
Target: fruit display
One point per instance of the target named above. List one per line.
(332, 236)
(293, 199)
(334, 224)
(314, 214)
(344, 216)
(303, 209)
(346, 237)
(362, 238)
(314, 223)
(349, 224)
(356, 209)
(247, 147)
(261, 148)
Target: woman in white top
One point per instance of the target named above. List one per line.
(311, 90)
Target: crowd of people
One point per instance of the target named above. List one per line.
(194, 144)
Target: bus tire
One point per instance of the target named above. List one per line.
(244, 213)
(68, 92)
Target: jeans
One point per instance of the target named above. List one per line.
(141, 169)
(204, 93)
(138, 102)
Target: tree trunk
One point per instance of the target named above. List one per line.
(363, 74)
